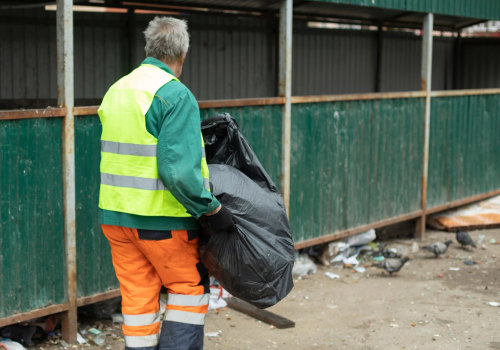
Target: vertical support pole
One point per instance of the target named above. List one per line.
(426, 85)
(285, 90)
(65, 98)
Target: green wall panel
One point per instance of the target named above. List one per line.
(464, 150)
(94, 268)
(32, 268)
(487, 9)
(354, 163)
(261, 126)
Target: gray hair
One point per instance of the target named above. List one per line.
(167, 39)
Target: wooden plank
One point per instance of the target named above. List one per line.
(262, 315)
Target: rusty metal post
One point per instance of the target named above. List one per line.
(285, 90)
(426, 83)
(65, 98)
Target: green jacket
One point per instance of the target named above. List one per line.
(174, 119)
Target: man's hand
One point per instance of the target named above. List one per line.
(218, 221)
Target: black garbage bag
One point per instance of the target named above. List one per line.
(255, 264)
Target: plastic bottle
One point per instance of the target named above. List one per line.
(98, 337)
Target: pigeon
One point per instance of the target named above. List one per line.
(437, 248)
(464, 239)
(392, 265)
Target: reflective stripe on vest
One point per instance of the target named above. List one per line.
(130, 182)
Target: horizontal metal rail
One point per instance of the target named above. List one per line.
(32, 113)
(266, 101)
(24, 316)
(474, 92)
(357, 97)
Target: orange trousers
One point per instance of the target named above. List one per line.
(144, 260)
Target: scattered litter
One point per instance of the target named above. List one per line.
(361, 238)
(359, 269)
(494, 303)
(379, 258)
(493, 241)
(352, 260)
(394, 325)
(64, 344)
(80, 339)
(480, 239)
(303, 266)
(212, 334)
(440, 275)
(117, 318)
(414, 248)
(98, 337)
(11, 345)
(454, 269)
(413, 324)
(470, 262)
(217, 295)
(332, 275)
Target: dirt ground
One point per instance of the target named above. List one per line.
(431, 304)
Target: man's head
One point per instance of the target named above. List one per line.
(167, 39)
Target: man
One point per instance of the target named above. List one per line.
(154, 187)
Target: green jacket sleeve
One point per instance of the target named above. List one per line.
(179, 153)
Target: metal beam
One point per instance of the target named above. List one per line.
(285, 90)
(65, 98)
(426, 85)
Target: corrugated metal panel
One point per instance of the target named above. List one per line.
(480, 63)
(354, 163)
(333, 61)
(464, 156)
(32, 268)
(488, 9)
(261, 126)
(401, 57)
(344, 61)
(442, 63)
(95, 272)
(231, 57)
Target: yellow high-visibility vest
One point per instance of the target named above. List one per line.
(129, 175)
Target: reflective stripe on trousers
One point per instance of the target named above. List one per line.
(142, 266)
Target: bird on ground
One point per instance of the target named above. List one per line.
(392, 265)
(464, 239)
(437, 248)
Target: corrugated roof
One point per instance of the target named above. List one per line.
(449, 14)
(486, 9)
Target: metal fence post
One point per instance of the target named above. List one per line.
(65, 98)
(285, 90)
(426, 83)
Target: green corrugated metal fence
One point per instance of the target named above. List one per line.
(464, 151)
(489, 9)
(95, 272)
(32, 264)
(354, 163)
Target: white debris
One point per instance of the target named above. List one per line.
(332, 275)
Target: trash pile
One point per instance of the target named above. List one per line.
(355, 252)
